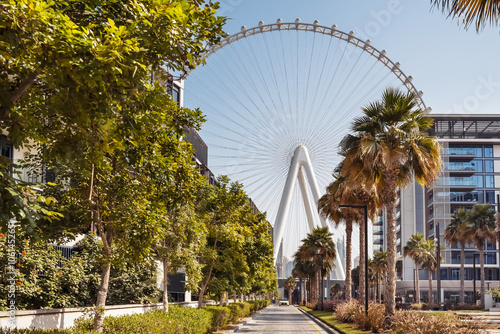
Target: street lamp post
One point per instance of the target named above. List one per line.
(366, 249)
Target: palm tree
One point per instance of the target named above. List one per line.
(379, 262)
(414, 248)
(289, 286)
(459, 232)
(328, 207)
(482, 217)
(343, 192)
(468, 11)
(389, 147)
(429, 263)
(303, 269)
(319, 247)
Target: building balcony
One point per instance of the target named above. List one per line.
(378, 241)
(460, 171)
(456, 185)
(459, 154)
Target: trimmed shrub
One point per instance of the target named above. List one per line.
(421, 307)
(220, 316)
(466, 307)
(348, 311)
(409, 322)
(246, 309)
(178, 320)
(235, 314)
(34, 331)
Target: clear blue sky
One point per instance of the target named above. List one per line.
(458, 70)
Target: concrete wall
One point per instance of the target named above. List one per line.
(64, 318)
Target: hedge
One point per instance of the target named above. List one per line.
(184, 320)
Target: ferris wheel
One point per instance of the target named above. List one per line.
(278, 98)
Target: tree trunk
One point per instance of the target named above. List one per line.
(417, 285)
(379, 289)
(348, 260)
(301, 301)
(361, 289)
(430, 294)
(390, 202)
(165, 284)
(462, 273)
(481, 262)
(221, 299)
(234, 297)
(227, 298)
(101, 298)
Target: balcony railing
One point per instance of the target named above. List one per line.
(458, 151)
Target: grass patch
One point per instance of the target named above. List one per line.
(329, 319)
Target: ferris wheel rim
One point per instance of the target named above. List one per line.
(333, 31)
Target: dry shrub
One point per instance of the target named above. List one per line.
(328, 305)
(408, 322)
(348, 311)
(375, 319)
(312, 306)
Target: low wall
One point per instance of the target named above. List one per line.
(65, 317)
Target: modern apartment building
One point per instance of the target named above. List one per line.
(470, 174)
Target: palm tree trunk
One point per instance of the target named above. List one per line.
(390, 203)
(348, 255)
(362, 236)
(462, 273)
(301, 292)
(417, 286)
(379, 289)
(481, 262)
(430, 294)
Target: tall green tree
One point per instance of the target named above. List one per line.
(225, 206)
(478, 13)
(75, 65)
(459, 232)
(415, 249)
(389, 146)
(482, 219)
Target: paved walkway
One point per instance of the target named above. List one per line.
(281, 319)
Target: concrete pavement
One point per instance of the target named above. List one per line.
(281, 319)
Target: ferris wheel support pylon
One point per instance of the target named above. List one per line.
(300, 163)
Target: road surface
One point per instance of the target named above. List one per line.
(281, 319)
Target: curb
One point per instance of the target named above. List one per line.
(318, 322)
(241, 324)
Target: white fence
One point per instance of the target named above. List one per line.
(65, 317)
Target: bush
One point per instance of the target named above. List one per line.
(33, 331)
(348, 311)
(421, 307)
(409, 322)
(375, 319)
(177, 320)
(220, 316)
(245, 309)
(235, 313)
(466, 307)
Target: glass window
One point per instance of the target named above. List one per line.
(455, 274)
(488, 166)
(491, 246)
(444, 274)
(5, 147)
(478, 180)
(488, 151)
(489, 181)
(490, 197)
